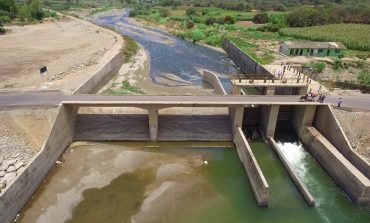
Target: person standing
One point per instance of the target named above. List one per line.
(340, 102)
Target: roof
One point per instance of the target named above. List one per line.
(314, 45)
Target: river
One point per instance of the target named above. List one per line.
(171, 57)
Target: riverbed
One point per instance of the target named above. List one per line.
(173, 61)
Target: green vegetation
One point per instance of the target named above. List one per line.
(131, 48)
(126, 88)
(364, 77)
(353, 36)
(251, 50)
(21, 12)
(317, 66)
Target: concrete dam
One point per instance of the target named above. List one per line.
(154, 121)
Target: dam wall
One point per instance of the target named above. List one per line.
(215, 82)
(253, 170)
(21, 189)
(247, 65)
(97, 80)
(154, 124)
(326, 123)
(351, 180)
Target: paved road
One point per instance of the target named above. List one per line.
(53, 98)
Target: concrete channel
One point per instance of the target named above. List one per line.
(306, 118)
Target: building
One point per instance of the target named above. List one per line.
(308, 48)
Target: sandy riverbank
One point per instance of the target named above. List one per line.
(71, 49)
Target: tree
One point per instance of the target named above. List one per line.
(8, 6)
(35, 10)
(261, 18)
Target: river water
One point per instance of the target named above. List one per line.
(168, 182)
(170, 55)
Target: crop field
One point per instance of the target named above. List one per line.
(353, 36)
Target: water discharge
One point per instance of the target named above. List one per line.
(332, 204)
(168, 182)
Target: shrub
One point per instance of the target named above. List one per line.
(215, 40)
(318, 67)
(4, 19)
(205, 11)
(261, 18)
(364, 77)
(229, 20)
(189, 24)
(190, 12)
(131, 48)
(210, 21)
(197, 35)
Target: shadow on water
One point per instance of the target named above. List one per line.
(171, 55)
(332, 204)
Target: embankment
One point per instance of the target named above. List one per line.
(247, 65)
(21, 189)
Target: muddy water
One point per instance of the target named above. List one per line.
(168, 182)
(173, 60)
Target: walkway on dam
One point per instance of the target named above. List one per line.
(53, 98)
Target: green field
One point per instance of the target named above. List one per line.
(353, 36)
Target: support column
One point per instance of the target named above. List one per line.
(153, 124)
(236, 90)
(269, 119)
(270, 91)
(236, 114)
(303, 117)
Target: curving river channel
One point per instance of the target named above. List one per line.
(171, 56)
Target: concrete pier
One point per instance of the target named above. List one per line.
(256, 178)
(269, 116)
(236, 116)
(153, 124)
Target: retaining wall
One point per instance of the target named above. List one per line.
(351, 180)
(19, 192)
(293, 174)
(102, 76)
(246, 64)
(255, 175)
(326, 123)
(215, 82)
